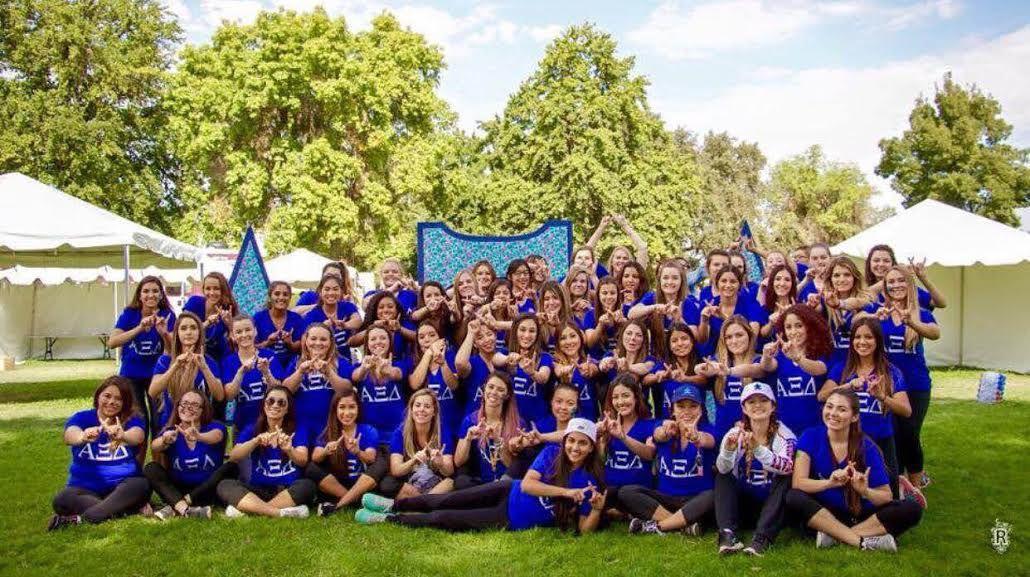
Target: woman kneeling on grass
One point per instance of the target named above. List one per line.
(189, 454)
(561, 488)
(841, 488)
(276, 488)
(104, 478)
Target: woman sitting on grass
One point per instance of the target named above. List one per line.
(421, 451)
(563, 488)
(344, 456)
(189, 454)
(104, 478)
(275, 488)
(841, 488)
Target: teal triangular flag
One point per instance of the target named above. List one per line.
(249, 281)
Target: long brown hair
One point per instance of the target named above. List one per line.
(631, 382)
(124, 387)
(227, 298)
(598, 307)
(566, 511)
(338, 462)
(183, 377)
(137, 301)
(658, 320)
(510, 420)
(643, 286)
(881, 366)
(834, 316)
(774, 427)
(645, 345)
(271, 287)
(723, 355)
(559, 356)
(408, 428)
(770, 292)
(856, 447)
(870, 277)
(513, 334)
(671, 360)
(289, 419)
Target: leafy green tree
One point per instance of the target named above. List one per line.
(577, 140)
(80, 88)
(811, 199)
(955, 151)
(302, 127)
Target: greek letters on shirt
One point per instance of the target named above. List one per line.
(896, 343)
(253, 390)
(273, 468)
(680, 468)
(380, 393)
(102, 452)
(868, 403)
(523, 385)
(314, 381)
(194, 464)
(623, 461)
(146, 347)
(757, 476)
(794, 387)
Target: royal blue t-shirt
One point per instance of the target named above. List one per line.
(875, 422)
(530, 395)
(313, 397)
(588, 401)
(473, 383)
(294, 325)
(96, 466)
(307, 298)
(911, 363)
(407, 298)
(923, 295)
(841, 334)
(526, 511)
(746, 307)
(447, 443)
(450, 408)
(757, 482)
(815, 443)
(269, 467)
(624, 467)
(608, 342)
(216, 335)
(344, 311)
(796, 402)
(199, 383)
(355, 466)
(252, 387)
(192, 467)
(140, 354)
(383, 404)
(685, 471)
(480, 454)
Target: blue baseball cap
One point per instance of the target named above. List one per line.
(687, 391)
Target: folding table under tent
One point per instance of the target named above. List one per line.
(42, 227)
(982, 268)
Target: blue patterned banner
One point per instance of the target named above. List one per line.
(755, 267)
(442, 252)
(249, 281)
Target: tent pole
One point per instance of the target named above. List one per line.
(32, 319)
(961, 315)
(125, 259)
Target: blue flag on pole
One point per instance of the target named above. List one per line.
(755, 267)
(249, 281)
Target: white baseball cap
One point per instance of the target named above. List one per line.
(757, 388)
(584, 426)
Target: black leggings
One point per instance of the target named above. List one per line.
(127, 497)
(907, 433)
(731, 504)
(475, 508)
(896, 516)
(171, 492)
(890, 461)
(232, 491)
(145, 405)
(642, 502)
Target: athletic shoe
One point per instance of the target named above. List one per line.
(165, 513)
(234, 513)
(62, 521)
(728, 542)
(636, 525)
(296, 512)
(376, 503)
(880, 543)
(650, 527)
(326, 509)
(366, 517)
(692, 530)
(924, 480)
(758, 546)
(824, 540)
(199, 512)
(908, 492)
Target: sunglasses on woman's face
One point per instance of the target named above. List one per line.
(275, 401)
(192, 405)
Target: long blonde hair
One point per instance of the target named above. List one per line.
(723, 355)
(912, 338)
(834, 316)
(408, 431)
(305, 353)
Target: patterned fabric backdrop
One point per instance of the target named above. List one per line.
(249, 281)
(755, 268)
(443, 252)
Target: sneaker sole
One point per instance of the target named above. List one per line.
(730, 549)
(911, 492)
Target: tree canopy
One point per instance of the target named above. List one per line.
(954, 151)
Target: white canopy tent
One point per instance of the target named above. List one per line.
(303, 268)
(982, 268)
(69, 238)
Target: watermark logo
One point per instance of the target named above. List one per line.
(1000, 536)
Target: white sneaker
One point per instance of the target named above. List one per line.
(880, 543)
(824, 540)
(234, 513)
(297, 512)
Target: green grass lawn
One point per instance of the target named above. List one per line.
(977, 455)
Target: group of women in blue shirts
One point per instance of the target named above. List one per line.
(524, 400)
